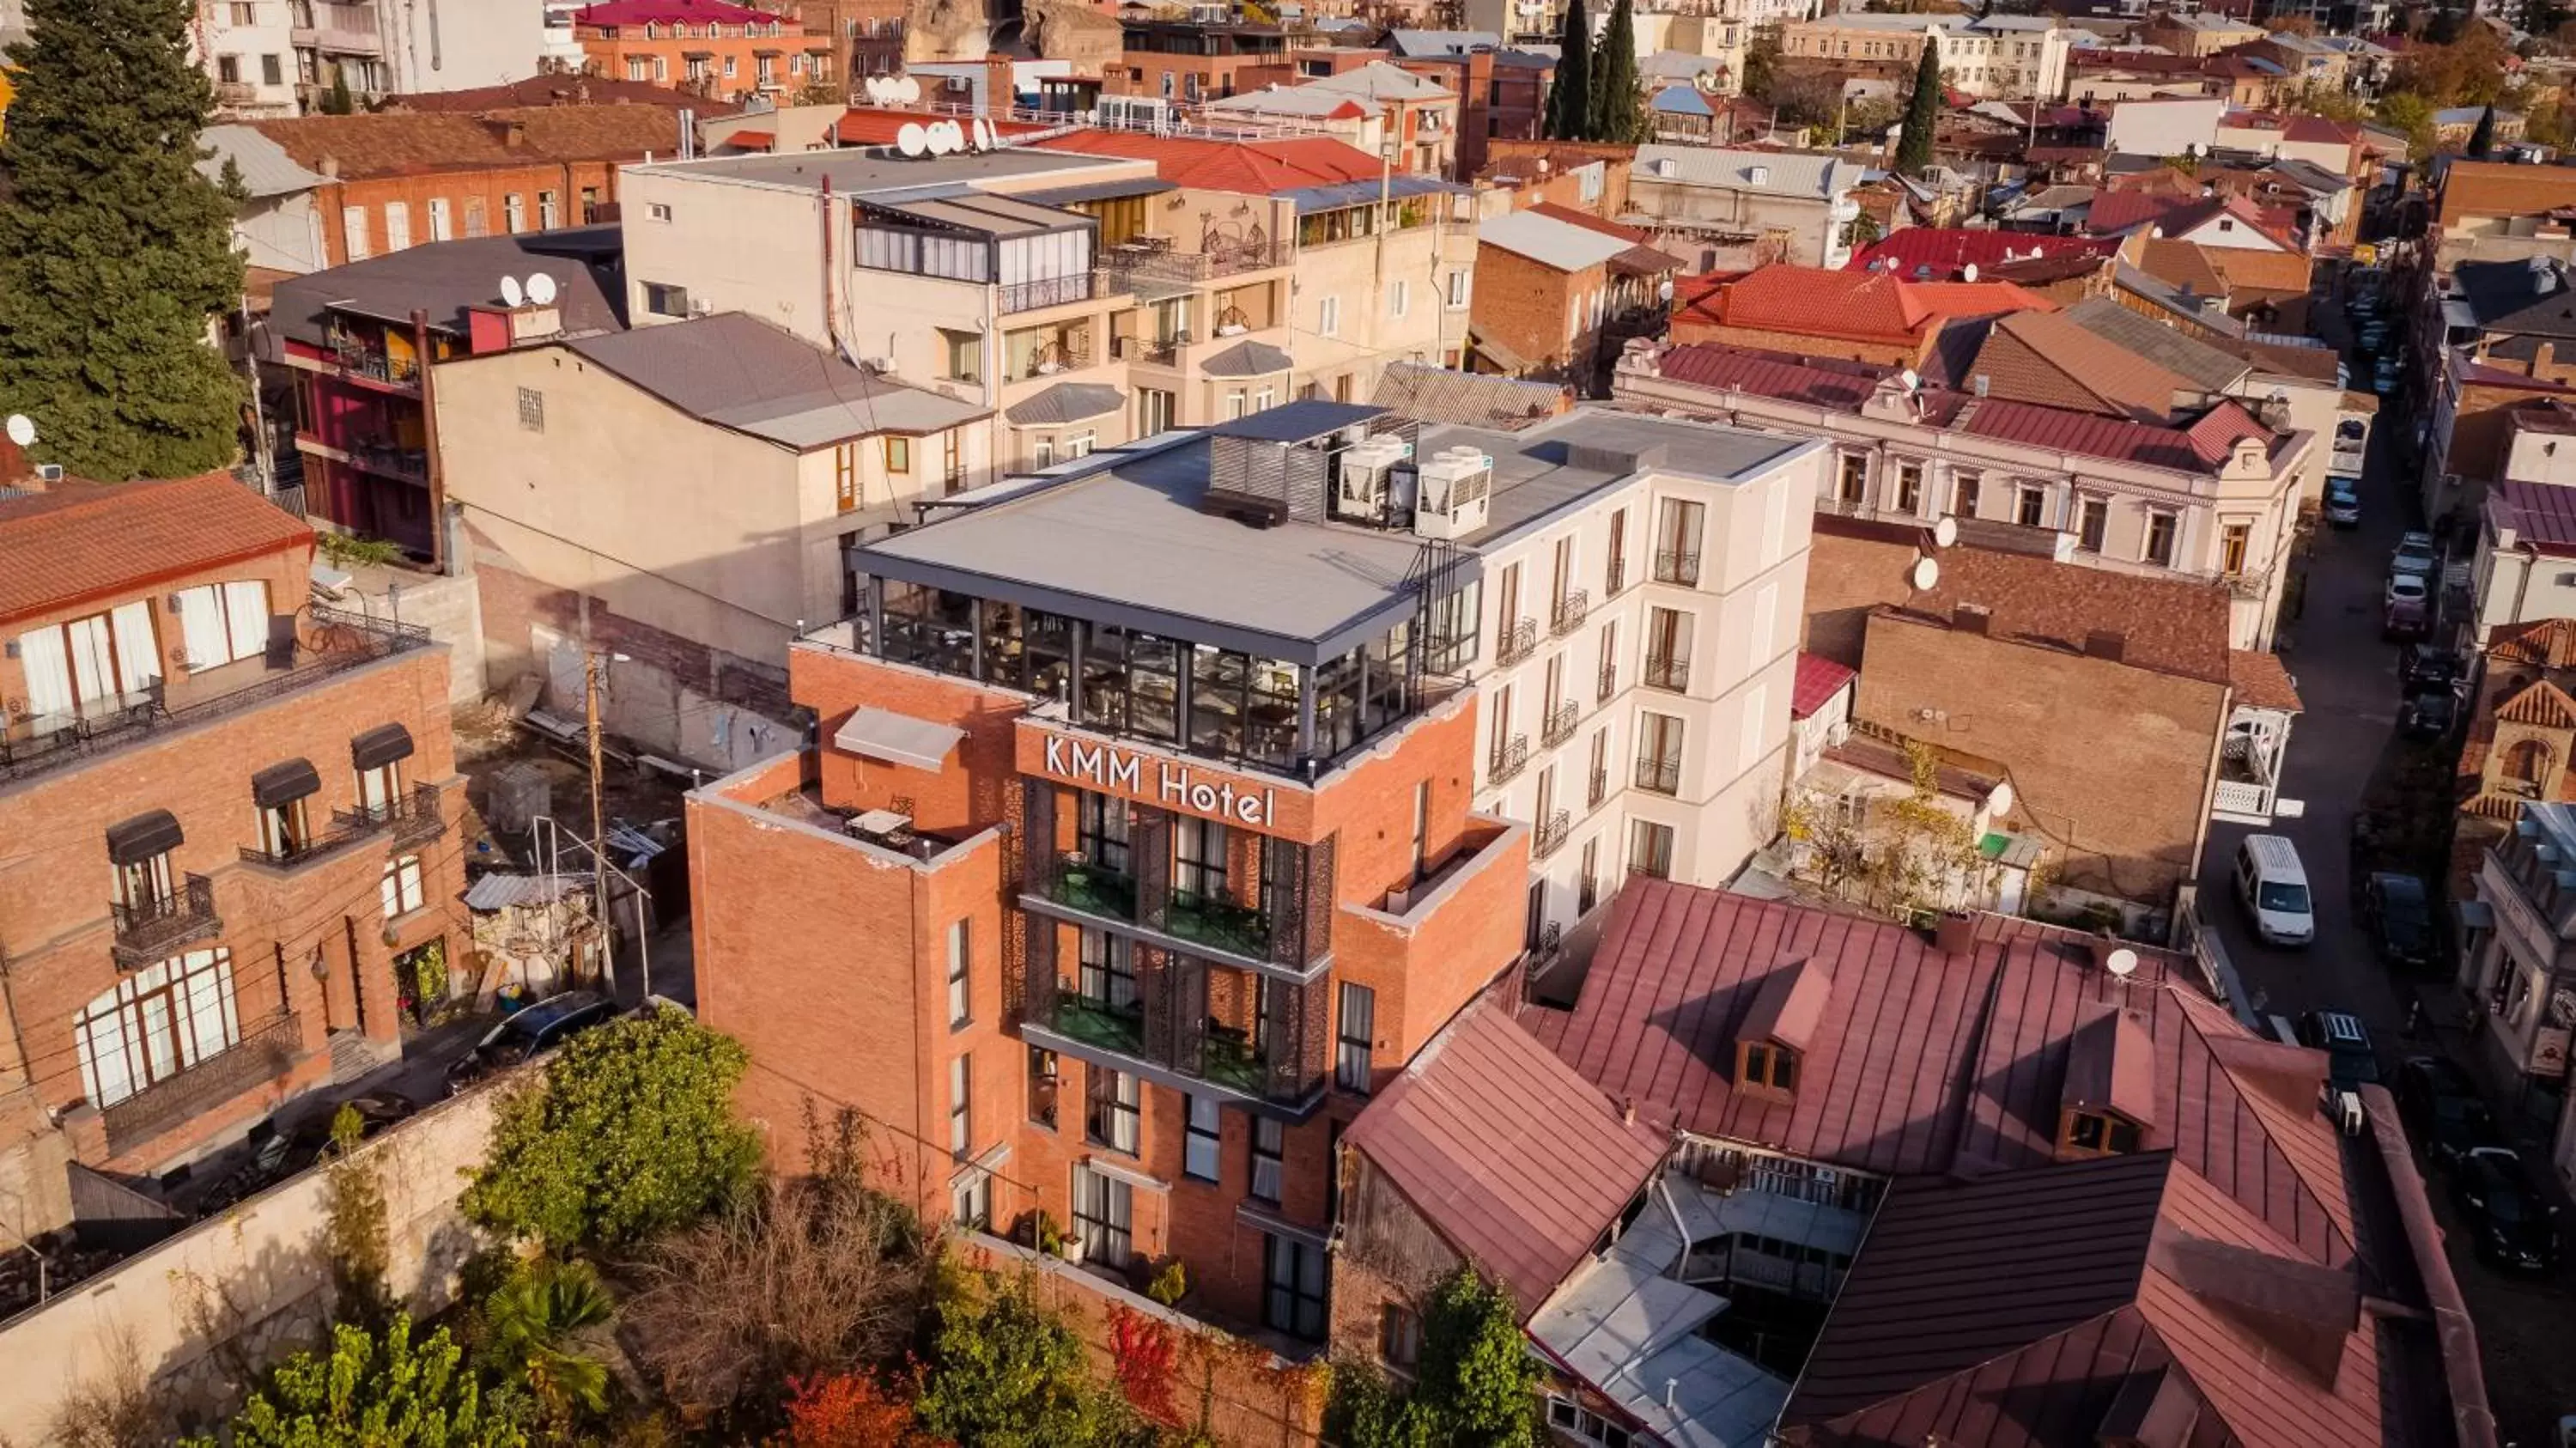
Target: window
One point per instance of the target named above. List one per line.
(2233, 542)
(1269, 1158)
(91, 665)
(2031, 508)
(441, 225)
(353, 232)
(961, 1107)
(1399, 1336)
(514, 213)
(658, 211)
(970, 1202)
(1199, 1144)
(1353, 1038)
(1909, 488)
(1421, 829)
(1963, 495)
(155, 1024)
(1044, 1076)
(1109, 1115)
(1650, 849)
(1201, 862)
(222, 622)
(2098, 1133)
(397, 225)
(845, 477)
(1294, 1303)
(1328, 317)
(1659, 753)
(1104, 1213)
(548, 211)
(1080, 444)
(532, 410)
(1616, 577)
(1851, 479)
(959, 938)
(1677, 535)
(228, 69)
(1100, 831)
(1767, 1066)
(1106, 971)
(401, 887)
(1399, 297)
(1154, 411)
(285, 830)
(639, 68)
(272, 70)
(961, 356)
(143, 881)
(2161, 528)
(1235, 402)
(478, 217)
(1458, 291)
(898, 454)
(664, 300)
(244, 12)
(1668, 649)
(2092, 520)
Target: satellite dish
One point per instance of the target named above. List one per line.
(1969, 272)
(541, 289)
(22, 431)
(912, 140)
(1926, 573)
(2123, 963)
(986, 138)
(1999, 800)
(511, 296)
(879, 89)
(951, 137)
(907, 90)
(1945, 532)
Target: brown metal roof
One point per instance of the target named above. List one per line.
(1788, 1006)
(1517, 1161)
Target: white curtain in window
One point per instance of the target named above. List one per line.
(201, 627)
(138, 656)
(246, 608)
(107, 1077)
(49, 676)
(93, 654)
(211, 1022)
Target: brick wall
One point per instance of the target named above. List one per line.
(1522, 305)
(1894, 353)
(478, 201)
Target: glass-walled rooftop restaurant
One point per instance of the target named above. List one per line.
(1235, 706)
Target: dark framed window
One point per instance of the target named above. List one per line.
(1108, 971)
(1295, 1301)
(1650, 849)
(1100, 831)
(1767, 1066)
(2099, 1133)
(1104, 1210)
(1045, 1074)
(959, 995)
(1110, 1109)
(961, 1107)
(1200, 856)
(1199, 1155)
(1354, 1035)
(1399, 1336)
(1269, 1158)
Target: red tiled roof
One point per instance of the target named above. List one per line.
(1948, 249)
(2318, 129)
(2126, 210)
(1520, 1163)
(1930, 1064)
(417, 143)
(1818, 680)
(565, 90)
(79, 541)
(674, 12)
(2548, 643)
(2262, 681)
(1880, 306)
(1251, 168)
(1772, 375)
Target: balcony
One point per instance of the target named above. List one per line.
(1152, 257)
(1264, 1045)
(1507, 759)
(1551, 834)
(377, 366)
(264, 1052)
(413, 818)
(1219, 923)
(1516, 644)
(152, 930)
(1617, 581)
(1157, 352)
(1090, 286)
(409, 464)
(235, 93)
(1660, 775)
(1668, 672)
(1559, 724)
(1677, 567)
(1078, 885)
(1599, 791)
(328, 642)
(1609, 682)
(1569, 612)
(348, 830)
(1289, 940)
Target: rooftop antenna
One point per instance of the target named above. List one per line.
(511, 295)
(22, 429)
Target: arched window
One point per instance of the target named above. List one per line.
(2526, 766)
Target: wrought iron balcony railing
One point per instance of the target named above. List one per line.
(150, 930)
(1673, 566)
(1660, 775)
(1667, 671)
(1507, 759)
(1559, 724)
(1568, 615)
(1517, 643)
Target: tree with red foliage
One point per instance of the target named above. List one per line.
(851, 1410)
(1145, 1351)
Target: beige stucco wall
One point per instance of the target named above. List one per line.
(1359, 274)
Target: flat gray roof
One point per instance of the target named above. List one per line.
(859, 171)
(1126, 543)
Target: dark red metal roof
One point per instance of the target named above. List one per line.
(1949, 249)
(1516, 1160)
(1817, 681)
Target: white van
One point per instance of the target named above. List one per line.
(2273, 887)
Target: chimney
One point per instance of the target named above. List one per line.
(330, 168)
(15, 470)
(2106, 643)
(513, 132)
(1955, 934)
(1973, 618)
(1627, 1110)
(2541, 356)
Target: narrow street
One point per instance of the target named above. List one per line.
(2347, 678)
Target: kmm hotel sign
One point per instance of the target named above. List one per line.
(1169, 781)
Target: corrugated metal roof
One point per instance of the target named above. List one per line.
(2195, 361)
(500, 892)
(1247, 358)
(1510, 1155)
(1550, 242)
(1470, 399)
(443, 278)
(1818, 680)
(265, 168)
(1362, 193)
(1780, 173)
(737, 371)
(1065, 402)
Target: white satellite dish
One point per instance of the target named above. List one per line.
(1926, 573)
(879, 89)
(1945, 532)
(541, 289)
(912, 140)
(986, 138)
(950, 137)
(906, 89)
(511, 296)
(1969, 272)
(1999, 800)
(22, 431)
(2123, 963)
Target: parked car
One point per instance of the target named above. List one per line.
(2408, 607)
(2352, 1062)
(531, 1033)
(2272, 886)
(2399, 913)
(2343, 503)
(2515, 1225)
(376, 1111)
(2417, 555)
(2439, 1106)
(2423, 670)
(2428, 716)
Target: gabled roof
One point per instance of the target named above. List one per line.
(2548, 643)
(1779, 173)
(412, 143)
(566, 90)
(2542, 705)
(2186, 357)
(2053, 361)
(1879, 306)
(444, 278)
(1380, 81)
(736, 371)
(263, 165)
(1513, 1158)
(79, 541)
(1558, 245)
(1818, 679)
(1251, 168)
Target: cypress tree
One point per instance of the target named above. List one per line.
(114, 250)
(1922, 114)
(337, 101)
(1569, 100)
(2482, 140)
(1616, 114)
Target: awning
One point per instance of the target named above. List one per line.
(1063, 403)
(1247, 359)
(1098, 191)
(1340, 194)
(697, 55)
(280, 785)
(134, 841)
(380, 746)
(897, 739)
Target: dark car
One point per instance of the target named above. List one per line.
(2352, 1061)
(306, 1143)
(2399, 912)
(2443, 1110)
(2421, 669)
(2428, 716)
(529, 1034)
(2516, 1227)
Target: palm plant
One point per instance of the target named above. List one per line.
(535, 1323)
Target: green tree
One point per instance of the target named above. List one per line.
(372, 1391)
(536, 1324)
(629, 1134)
(1569, 98)
(2482, 140)
(337, 101)
(356, 1228)
(1476, 1386)
(1922, 115)
(1007, 1373)
(1617, 112)
(114, 250)
(1761, 64)
(2411, 114)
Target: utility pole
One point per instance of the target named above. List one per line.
(598, 812)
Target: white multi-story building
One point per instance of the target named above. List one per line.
(275, 58)
(2001, 57)
(248, 48)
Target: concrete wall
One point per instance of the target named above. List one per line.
(200, 1313)
(2165, 128)
(447, 45)
(450, 608)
